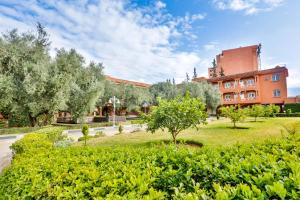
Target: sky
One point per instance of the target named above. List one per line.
(155, 40)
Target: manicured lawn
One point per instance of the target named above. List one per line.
(214, 134)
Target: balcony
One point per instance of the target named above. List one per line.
(240, 100)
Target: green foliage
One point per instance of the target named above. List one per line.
(130, 97)
(269, 170)
(271, 110)
(85, 132)
(287, 115)
(294, 107)
(34, 87)
(256, 111)
(208, 93)
(32, 143)
(176, 115)
(164, 90)
(235, 114)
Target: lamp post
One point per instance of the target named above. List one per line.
(145, 105)
(114, 100)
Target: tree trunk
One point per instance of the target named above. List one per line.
(234, 126)
(255, 119)
(174, 138)
(32, 120)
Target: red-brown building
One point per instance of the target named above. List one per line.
(240, 80)
(122, 81)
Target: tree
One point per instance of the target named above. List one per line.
(222, 72)
(195, 73)
(85, 132)
(36, 86)
(271, 110)
(235, 114)
(187, 77)
(214, 68)
(176, 115)
(256, 111)
(208, 93)
(164, 90)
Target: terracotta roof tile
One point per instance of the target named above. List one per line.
(120, 81)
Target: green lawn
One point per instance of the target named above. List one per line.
(214, 134)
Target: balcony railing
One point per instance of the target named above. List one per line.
(240, 100)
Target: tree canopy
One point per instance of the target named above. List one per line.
(36, 86)
(176, 115)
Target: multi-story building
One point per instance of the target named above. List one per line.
(240, 80)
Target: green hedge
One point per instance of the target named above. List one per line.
(287, 114)
(263, 171)
(295, 107)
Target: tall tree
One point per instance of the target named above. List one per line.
(222, 72)
(195, 73)
(214, 66)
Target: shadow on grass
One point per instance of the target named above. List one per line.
(238, 127)
(259, 121)
(180, 142)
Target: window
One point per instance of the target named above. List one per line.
(242, 95)
(250, 82)
(241, 83)
(227, 97)
(251, 95)
(276, 93)
(275, 77)
(227, 85)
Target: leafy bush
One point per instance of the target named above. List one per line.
(271, 110)
(120, 129)
(294, 107)
(268, 170)
(85, 132)
(287, 115)
(32, 142)
(255, 111)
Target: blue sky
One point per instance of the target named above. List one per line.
(152, 40)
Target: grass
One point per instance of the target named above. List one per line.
(16, 130)
(216, 133)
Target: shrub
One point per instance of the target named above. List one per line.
(85, 132)
(294, 107)
(120, 129)
(287, 115)
(32, 142)
(268, 170)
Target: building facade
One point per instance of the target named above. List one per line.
(240, 81)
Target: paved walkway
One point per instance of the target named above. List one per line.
(7, 140)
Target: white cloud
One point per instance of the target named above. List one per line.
(210, 46)
(249, 7)
(133, 43)
(160, 5)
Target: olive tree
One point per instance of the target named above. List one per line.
(235, 114)
(176, 115)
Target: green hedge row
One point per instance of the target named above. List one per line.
(287, 114)
(261, 171)
(294, 107)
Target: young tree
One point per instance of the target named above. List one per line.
(85, 132)
(176, 115)
(255, 111)
(271, 110)
(235, 114)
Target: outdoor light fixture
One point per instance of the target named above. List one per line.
(113, 100)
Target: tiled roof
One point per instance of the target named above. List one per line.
(120, 81)
(244, 75)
